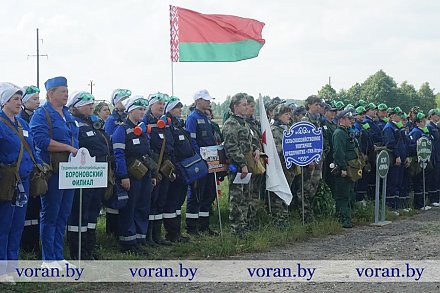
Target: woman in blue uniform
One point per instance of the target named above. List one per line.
(117, 117)
(178, 188)
(81, 105)
(30, 240)
(130, 145)
(14, 195)
(56, 137)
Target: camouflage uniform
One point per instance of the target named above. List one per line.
(278, 207)
(328, 128)
(312, 175)
(242, 200)
(258, 181)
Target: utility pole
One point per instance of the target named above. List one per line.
(329, 81)
(38, 59)
(91, 84)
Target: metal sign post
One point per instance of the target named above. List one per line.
(382, 168)
(215, 158)
(302, 145)
(82, 171)
(424, 150)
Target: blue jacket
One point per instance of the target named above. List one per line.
(381, 124)
(127, 147)
(113, 121)
(394, 141)
(414, 135)
(63, 131)
(10, 146)
(95, 141)
(375, 131)
(157, 135)
(200, 129)
(365, 140)
(182, 142)
(434, 131)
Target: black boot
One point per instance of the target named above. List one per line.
(192, 226)
(181, 237)
(111, 224)
(72, 237)
(150, 241)
(157, 229)
(90, 245)
(171, 229)
(204, 226)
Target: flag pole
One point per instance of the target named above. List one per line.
(172, 78)
(171, 50)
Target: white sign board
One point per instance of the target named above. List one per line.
(82, 172)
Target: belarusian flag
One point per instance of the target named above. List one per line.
(197, 37)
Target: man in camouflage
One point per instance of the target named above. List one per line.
(242, 154)
(282, 117)
(312, 172)
(328, 127)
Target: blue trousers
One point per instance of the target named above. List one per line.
(133, 218)
(159, 199)
(91, 204)
(433, 183)
(394, 185)
(201, 197)
(11, 227)
(30, 239)
(56, 206)
(176, 196)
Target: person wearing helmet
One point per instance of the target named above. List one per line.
(382, 116)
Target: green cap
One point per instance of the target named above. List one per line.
(382, 107)
(404, 115)
(360, 110)
(339, 105)
(360, 103)
(371, 106)
(419, 117)
(349, 106)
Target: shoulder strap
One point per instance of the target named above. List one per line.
(162, 149)
(20, 135)
(49, 122)
(23, 142)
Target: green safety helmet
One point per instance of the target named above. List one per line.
(339, 105)
(360, 103)
(349, 106)
(371, 106)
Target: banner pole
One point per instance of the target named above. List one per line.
(377, 199)
(218, 205)
(302, 194)
(172, 78)
(80, 225)
(424, 191)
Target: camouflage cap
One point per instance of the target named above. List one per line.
(329, 107)
(236, 99)
(280, 110)
(415, 109)
(273, 103)
(382, 107)
(300, 110)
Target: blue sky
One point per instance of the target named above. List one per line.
(125, 44)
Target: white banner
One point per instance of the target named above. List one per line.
(228, 271)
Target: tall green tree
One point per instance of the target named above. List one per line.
(380, 88)
(354, 94)
(407, 96)
(328, 93)
(426, 100)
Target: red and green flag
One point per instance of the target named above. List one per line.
(197, 37)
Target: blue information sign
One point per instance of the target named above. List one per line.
(302, 144)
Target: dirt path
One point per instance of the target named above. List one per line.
(416, 238)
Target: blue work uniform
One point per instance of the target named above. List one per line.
(111, 211)
(178, 188)
(13, 216)
(30, 239)
(433, 177)
(133, 218)
(98, 146)
(203, 192)
(394, 141)
(56, 204)
(160, 191)
(417, 179)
